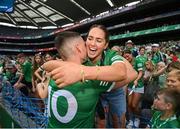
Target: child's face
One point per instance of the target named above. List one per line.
(159, 103)
(173, 82)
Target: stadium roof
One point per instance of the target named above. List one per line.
(56, 13)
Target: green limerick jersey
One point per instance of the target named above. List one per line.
(171, 122)
(157, 57)
(74, 106)
(110, 57)
(142, 58)
(138, 64)
(27, 71)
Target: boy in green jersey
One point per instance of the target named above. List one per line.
(167, 106)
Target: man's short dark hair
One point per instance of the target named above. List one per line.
(62, 37)
(63, 41)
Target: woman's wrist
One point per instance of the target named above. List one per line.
(82, 73)
(97, 72)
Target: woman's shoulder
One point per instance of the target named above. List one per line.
(111, 54)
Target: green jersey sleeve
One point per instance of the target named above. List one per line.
(139, 64)
(110, 57)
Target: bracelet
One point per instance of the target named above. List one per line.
(82, 74)
(97, 72)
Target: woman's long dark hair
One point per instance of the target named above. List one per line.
(103, 28)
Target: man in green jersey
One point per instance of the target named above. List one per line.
(74, 106)
(157, 56)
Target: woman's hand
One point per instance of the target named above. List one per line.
(67, 73)
(135, 82)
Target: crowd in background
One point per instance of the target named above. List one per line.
(157, 64)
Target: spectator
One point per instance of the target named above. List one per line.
(160, 74)
(37, 62)
(157, 56)
(167, 106)
(130, 46)
(135, 90)
(149, 69)
(172, 66)
(12, 77)
(173, 79)
(24, 82)
(48, 56)
(173, 56)
(142, 56)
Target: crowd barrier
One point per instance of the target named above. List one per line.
(28, 112)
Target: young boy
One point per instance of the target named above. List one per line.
(166, 105)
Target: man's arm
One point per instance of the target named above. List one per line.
(42, 89)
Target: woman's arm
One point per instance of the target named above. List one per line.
(131, 75)
(140, 73)
(159, 72)
(65, 73)
(36, 73)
